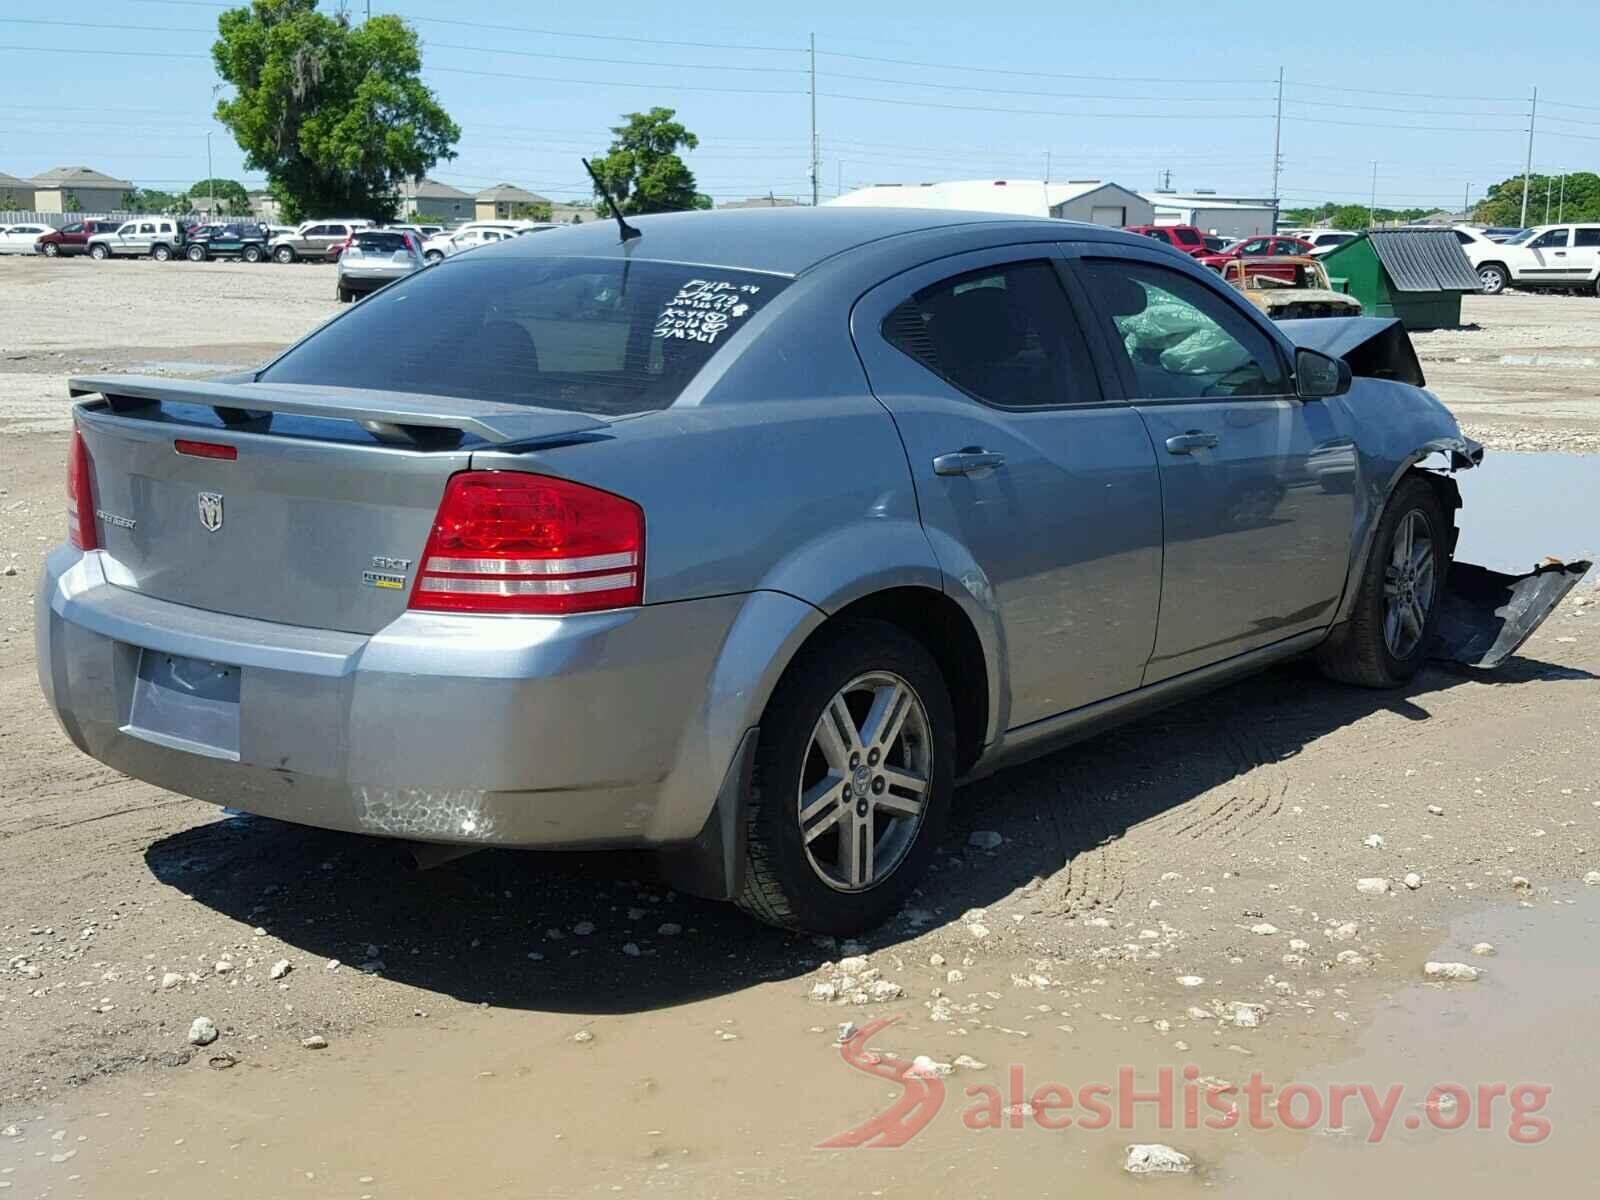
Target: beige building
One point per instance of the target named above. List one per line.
(79, 189)
(264, 206)
(429, 198)
(15, 193)
(504, 202)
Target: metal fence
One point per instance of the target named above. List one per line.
(57, 220)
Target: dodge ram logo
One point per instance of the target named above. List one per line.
(211, 510)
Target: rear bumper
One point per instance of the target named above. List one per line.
(604, 729)
(357, 281)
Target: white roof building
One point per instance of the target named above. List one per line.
(1225, 216)
(1094, 200)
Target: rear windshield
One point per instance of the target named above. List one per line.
(1188, 237)
(577, 334)
(386, 242)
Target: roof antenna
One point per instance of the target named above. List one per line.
(628, 231)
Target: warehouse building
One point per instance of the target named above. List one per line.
(79, 189)
(1225, 216)
(1095, 201)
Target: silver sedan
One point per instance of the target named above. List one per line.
(744, 537)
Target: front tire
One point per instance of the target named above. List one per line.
(1494, 278)
(283, 254)
(51, 250)
(851, 785)
(1386, 640)
(197, 253)
(434, 256)
(99, 253)
(251, 254)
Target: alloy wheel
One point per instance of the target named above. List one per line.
(1408, 585)
(864, 782)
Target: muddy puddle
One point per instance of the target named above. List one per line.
(1519, 508)
(749, 1094)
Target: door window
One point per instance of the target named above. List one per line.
(1254, 246)
(1160, 235)
(1556, 239)
(128, 230)
(147, 227)
(1004, 335)
(1176, 339)
(1587, 236)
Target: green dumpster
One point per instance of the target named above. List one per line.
(1418, 275)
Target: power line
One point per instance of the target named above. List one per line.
(908, 62)
(1392, 125)
(617, 83)
(601, 37)
(621, 62)
(964, 87)
(117, 53)
(1041, 112)
(105, 25)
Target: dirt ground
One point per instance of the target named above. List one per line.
(1179, 893)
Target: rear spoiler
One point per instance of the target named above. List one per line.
(1375, 347)
(399, 417)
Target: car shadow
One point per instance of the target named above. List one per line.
(503, 927)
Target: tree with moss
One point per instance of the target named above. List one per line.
(642, 170)
(335, 115)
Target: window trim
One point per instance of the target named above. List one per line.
(1115, 366)
(1049, 258)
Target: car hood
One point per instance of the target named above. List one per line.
(1375, 347)
(1278, 297)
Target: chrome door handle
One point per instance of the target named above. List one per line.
(973, 460)
(1188, 443)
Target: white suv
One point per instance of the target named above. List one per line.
(159, 237)
(1560, 257)
(477, 233)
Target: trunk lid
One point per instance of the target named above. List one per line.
(322, 515)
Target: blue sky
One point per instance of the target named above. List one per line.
(1435, 93)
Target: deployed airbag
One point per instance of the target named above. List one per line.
(1484, 615)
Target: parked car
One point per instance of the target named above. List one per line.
(1186, 238)
(1307, 294)
(21, 239)
(422, 232)
(74, 238)
(313, 239)
(1258, 247)
(1503, 233)
(576, 557)
(1548, 258)
(233, 239)
(1215, 245)
(468, 237)
(160, 238)
(1324, 240)
(375, 257)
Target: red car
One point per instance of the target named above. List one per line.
(74, 238)
(1259, 247)
(1186, 238)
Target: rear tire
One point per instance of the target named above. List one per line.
(868, 837)
(99, 253)
(345, 295)
(434, 256)
(251, 254)
(161, 253)
(1386, 640)
(1494, 278)
(283, 254)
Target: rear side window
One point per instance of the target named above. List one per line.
(1004, 335)
(1587, 236)
(1188, 237)
(582, 335)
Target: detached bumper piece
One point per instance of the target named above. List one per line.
(1484, 615)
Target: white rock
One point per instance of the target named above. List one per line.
(222, 967)
(1299, 945)
(1454, 971)
(1196, 1013)
(583, 1035)
(936, 960)
(1520, 883)
(923, 1065)
(10, 1131)
(1412, 880)
(1191, 980)
(1245, 1016)
(669, 929)
(583, 928)
(1373, 841)
(954, 975)
(1264, 929)
(847, 1030)
(631, 949)
(1344, 932)
(1155, 1159)
(824, 993)
(170, 980)
(202, 1031)
(315, 1042)
(1351, 958)
(853, 965)
(1483, 949)
(1435, 810)
(279, 969)
(984, 839)
(1592, 878)
(978, 930)
(882, 989)
(333, 965)
(968, 1063)
(1372, 886)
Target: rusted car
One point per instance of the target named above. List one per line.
(1289, 287)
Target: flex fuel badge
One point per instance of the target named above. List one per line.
(390, 572)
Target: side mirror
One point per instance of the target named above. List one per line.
(1318, 376)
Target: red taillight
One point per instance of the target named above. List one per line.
(508, 542)
(205, 449)
(80, 497)
(409, 244)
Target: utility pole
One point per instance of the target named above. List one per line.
(1372, 204)
(1527, 170)
(1549, 186)
(816, 162)
(1277, 151)
(1561, 205)
(1047, 168)
(211, 178)
(1466, 204)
